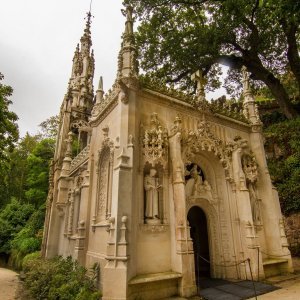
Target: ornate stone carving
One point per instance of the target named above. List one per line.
(177, 126)
(104, 171)
(154, 142)
(204, 140)
(79, 124)
(200, 102)
(154, 228)
(250, 169)
(196, 186)
(80, 158)
(71, 212)
(103, 181)
(151, 186)
(78, 182)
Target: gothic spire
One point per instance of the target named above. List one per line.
(80, 89)
(127, 60)
(250, 109)
(86, 40)
(99, 92)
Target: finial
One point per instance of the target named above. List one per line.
(250, 110)
(99, 92)
(127, 59)
(129, 19)
(246, 84)
(100, 86)
(201, 82)
(86, 38)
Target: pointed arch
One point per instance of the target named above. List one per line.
(104, 172)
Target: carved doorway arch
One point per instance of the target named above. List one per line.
(199, 234)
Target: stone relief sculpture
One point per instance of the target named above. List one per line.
(203, 139)
(154, 163)
(152, 186)
(196, 185)
(155, 142)
(249, 166)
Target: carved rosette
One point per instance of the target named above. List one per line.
(154, 141)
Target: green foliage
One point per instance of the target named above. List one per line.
(26, 181)
(283, 146)
(12, 219)
(201, 34)
(58, 278)
(49, 128)
(8, 136)
(38, 171)
(9, 133)
(29, 238)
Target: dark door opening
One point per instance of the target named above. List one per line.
(198, 223)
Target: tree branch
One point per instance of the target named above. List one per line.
(290, 31)
(179, 77)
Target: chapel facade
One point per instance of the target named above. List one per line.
(158, 187)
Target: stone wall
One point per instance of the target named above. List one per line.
(292, 228)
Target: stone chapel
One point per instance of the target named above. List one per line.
(158, 187)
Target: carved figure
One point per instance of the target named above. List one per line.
(152, 186)
(194, 185)
(251, 173)
(197, 180)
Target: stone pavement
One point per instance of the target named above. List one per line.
(8, 284)
(289, 284)
(290, 290)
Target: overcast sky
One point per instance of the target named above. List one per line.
(37, 43)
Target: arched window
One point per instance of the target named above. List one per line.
(104, 184)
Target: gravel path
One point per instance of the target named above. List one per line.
(9, 282)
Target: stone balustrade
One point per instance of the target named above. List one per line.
(80, 158)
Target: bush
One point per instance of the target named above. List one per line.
(12, 219)
(283, 143)
(29, 258)
(58, 278)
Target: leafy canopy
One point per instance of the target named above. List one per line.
(283, 147)
(9, 133)
(178, 37)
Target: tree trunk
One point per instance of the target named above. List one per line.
(290, 31)
(277, 89)
(259, 72)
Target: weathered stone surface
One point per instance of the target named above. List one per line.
(144, 159)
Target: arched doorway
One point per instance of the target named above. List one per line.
(199, 234)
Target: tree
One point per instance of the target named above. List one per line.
(12, 219)
(37, 180)
(13, 176)
(283, 147)
(8, 137)
(9, 133)
(49, 127)
(178, 37)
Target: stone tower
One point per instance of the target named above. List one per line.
(158, 187)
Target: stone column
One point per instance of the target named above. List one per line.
(270, 206)
(117, 256)
(184, 262)
(248, 236)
